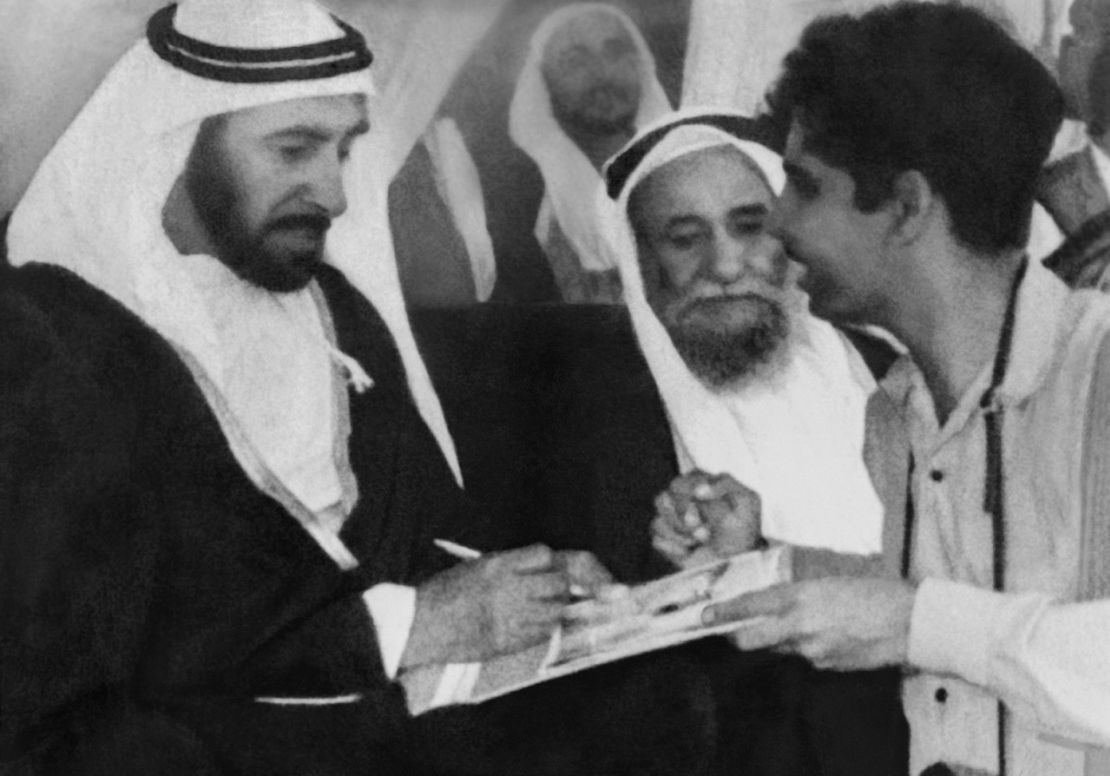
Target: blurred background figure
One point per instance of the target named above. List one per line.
(1088, 22)
(1075, 188)
(588, 83)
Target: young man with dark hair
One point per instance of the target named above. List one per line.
(916, 134)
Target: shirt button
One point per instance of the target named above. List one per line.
(936, 475)
(941, 695)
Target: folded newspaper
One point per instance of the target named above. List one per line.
(653, 616)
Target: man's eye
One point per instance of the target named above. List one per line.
(294, 153)
(572, 60)
(683, 240)
(345, 146)
(804, 188)
(614, 49)
(747, 227)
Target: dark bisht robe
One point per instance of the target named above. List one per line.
(150, 592)
(604, 452)
(557, 418)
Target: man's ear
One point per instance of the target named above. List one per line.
(179, 217)
(650, 270)
(182, 224)
(914, 203)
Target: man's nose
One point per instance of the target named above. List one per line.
(614, 69)
(622, 71)
(775, 223)
(326, 186)
(732, 259)
(726, 262)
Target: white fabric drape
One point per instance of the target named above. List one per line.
(460, 187)
(735, 49)
(52, 56)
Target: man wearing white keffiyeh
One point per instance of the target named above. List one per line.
(219, 471)
(754, 386)
(757, 391)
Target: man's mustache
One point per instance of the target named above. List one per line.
(317, 222)
(749, 305)
(611, 92)
(726, 299)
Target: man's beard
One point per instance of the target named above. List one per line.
(211, 186)
(727, 340)
(580, 117)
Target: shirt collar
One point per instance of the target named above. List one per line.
(1039, 324)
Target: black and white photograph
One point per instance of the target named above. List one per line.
(555, 388)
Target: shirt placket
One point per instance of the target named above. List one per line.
(952, 720)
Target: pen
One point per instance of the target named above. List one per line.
(462, 552)
(457, 550)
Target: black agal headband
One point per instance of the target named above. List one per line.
(255, 66)
(620, 168)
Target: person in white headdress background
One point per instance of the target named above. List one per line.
(754, 387)
(587, 84)
(219, 475)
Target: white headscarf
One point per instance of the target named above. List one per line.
(460, 186)
(796, 438)
(569, 177)
(95, 207)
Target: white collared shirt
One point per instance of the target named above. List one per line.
(1047, 659)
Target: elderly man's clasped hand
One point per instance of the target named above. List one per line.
(836, 623)
(703, 517)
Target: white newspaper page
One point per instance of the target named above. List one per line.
(655, 615)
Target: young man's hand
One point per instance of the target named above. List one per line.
(836, 623)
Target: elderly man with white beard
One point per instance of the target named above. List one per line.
(752, 387)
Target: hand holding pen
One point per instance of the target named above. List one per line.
(497, 603)
(586, 576)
